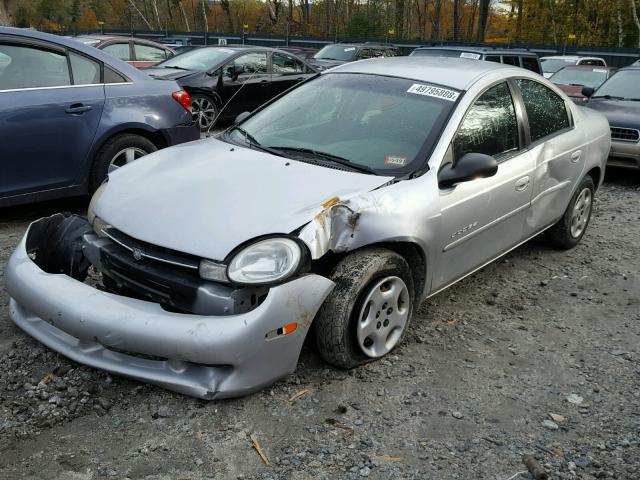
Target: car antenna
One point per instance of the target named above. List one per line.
(229, 101)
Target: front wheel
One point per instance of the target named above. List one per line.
(368, 312)
(204, 111)
(570, 229)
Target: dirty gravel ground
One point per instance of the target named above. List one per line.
(472, 388)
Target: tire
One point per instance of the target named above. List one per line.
(116, 152)
(339, 329)
(570, 229)
(204, 111)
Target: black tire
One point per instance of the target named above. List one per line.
(336, 321)
(111, 148)
(198, 100)
(561, 235)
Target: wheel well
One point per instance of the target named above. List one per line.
(154, 137)
(411, 252)
(596, 174)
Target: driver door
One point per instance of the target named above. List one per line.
(483, 218)
(246, 83)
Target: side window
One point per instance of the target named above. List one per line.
(30, 67)
(119, 50)
(252, 63)
(85, 71)
(493, 58)
(285, 64)
(509, 60)
(111, 76)
(531, 63)
(490, 126)
(148, 53)
(365, 53)
(546, 110)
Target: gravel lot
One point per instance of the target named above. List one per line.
(538, 353)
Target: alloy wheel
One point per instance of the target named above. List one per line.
(204, 112)
(125, 156)
(581, 211)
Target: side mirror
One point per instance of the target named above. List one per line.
(241, 117)
(469, 167)
(588, 91)
(233, 71)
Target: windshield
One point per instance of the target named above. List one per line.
(87, 40)
(336, 52)
(201, 59)
(586, 77)
(552, 65)
(624, 84)
(382, 124)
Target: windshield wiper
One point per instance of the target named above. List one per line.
(609, 97)
(253, 143)
(176, 67)
(329, 157)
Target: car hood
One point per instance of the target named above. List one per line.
(571, 90)
(168, 73)
(207, 197)
(620, 113)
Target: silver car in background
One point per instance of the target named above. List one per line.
(339, 206)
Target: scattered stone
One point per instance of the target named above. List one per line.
(550, 425)
(456, 414)
(557, 418)
(575, 399)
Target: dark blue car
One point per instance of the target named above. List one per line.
(69, 114)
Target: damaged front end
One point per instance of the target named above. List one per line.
(146, 314)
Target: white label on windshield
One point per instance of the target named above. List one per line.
(473, 56)
(350, 49)
(599, 70)
(437, 92)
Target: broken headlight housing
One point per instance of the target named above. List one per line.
(269, 260)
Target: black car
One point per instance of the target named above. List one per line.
(224, 81)
(338, 53)
(510, 56)
(619, 100)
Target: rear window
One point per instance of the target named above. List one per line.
(531, 63)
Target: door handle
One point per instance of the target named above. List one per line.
(575, 156)
(78, 109)
(522, 183)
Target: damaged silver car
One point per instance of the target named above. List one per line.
(339, 206)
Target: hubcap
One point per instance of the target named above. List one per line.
(383, 316)
(124, 156)
(581, 211)
(204, 112)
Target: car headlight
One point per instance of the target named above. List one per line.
(91, 214)
(265, 261)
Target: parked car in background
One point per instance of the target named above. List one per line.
(136, 51)
(619, 100)
(306, 53)
(573, 78)
(69, 114)
(509, 56)
(552, 64)
(339, 53)
(340, 206)
(224, 81)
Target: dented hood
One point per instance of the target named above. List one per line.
(207, 197)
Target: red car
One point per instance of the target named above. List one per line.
(138, 52)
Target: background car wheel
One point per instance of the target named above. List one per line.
(117, 152)
(367, 313)
(204, 111)
(570, 229)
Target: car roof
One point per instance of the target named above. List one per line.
(630, 67)
(568, 57)
(458, 73)
(123, 67)
(364, 44)
(493, 50)
(588, 67)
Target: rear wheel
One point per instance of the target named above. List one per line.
(118, 152)
(570, 229)
(204, 111)
(366, 315)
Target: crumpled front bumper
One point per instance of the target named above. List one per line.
(203, 356)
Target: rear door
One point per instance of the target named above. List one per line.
(50, 106)
(145, 55)
(249, 87)
(286, 71)
(558, 150)
(120, 49)
(484, 218)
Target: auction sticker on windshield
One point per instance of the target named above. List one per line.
(395, 160)
(430, 91)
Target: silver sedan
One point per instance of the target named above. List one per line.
(339, 206)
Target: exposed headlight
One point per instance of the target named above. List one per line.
(99, 226)
(266, 261)
(91, 214)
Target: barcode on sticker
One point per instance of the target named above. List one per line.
(429, 91)
(599, 70)
(473, 56)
